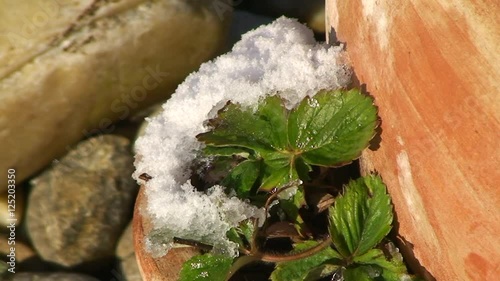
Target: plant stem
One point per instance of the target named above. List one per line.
(193, 243)
(267, 257)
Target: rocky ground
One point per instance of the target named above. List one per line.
(74, 217)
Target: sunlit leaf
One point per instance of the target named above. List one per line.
(263, 129)
(392, 267)
(361, 217)
(206, 267)
(333, 127)
(243, 233)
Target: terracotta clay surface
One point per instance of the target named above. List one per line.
(166, 268)
(433, 67)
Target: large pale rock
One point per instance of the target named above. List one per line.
(78, 208)
(71, 68)
(434, 67)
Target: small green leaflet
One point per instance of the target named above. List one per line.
(242, 234)
(361, 273)
(329, 129)
(326, 269)
(301, 270)
(291, 208)
(244, 177)
(375, 273)
(377, 257)
(392, 269)
(207, 267)
(361, 217)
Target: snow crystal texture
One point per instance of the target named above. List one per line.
(280, 58)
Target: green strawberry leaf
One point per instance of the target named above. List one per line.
(277, 178)
(329, 129)
(393, 268)
(377, 257)
(234, 235)
(247, 229)
(242, 178)
(206, 267)
(324, 270)
(243, 233)
(361, 217)
(302, 169)
(278, 170)
(333, 127)
(281, 169)
(361, 273)
(291, 208)
(299, 270)
(262, 130)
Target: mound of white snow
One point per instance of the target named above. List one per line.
(280, 58)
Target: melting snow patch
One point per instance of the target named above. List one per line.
(280, 58)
